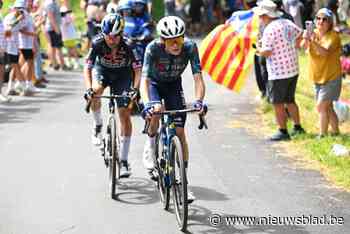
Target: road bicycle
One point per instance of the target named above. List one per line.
(110, 144)
(170, 171)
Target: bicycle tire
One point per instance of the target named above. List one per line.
(179, 186)
(164, 191)
(113, 156)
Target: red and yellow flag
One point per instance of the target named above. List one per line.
(227, 54)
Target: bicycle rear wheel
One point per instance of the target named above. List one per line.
(113, 164)
(179, 186)
(164, 190)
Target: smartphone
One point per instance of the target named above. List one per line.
(309, 26)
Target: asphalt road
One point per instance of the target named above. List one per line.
(52, 180)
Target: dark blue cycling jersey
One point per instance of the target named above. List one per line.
(101, 57)
(160, 66)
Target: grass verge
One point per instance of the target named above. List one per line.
(316, 153)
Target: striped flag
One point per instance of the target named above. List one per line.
(227, 54)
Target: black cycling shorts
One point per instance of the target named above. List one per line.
(11, 59)
(119, 81)
(173, 96)
(27, 54)
(55, 39)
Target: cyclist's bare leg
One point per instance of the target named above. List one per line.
(125, 132)
(96, 113)
(180, 132)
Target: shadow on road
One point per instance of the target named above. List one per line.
(201, 216)
(20, 108)
(136, 191)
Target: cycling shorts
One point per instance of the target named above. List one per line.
(117, 81)
(173, 96)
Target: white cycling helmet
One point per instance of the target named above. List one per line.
(171, 27)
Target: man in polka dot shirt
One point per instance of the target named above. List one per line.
(279, 46)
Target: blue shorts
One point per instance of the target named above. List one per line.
(173, 96)
(118, 81)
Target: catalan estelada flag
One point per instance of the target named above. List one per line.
(227, 54)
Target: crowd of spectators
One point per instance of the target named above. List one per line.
(21, 57)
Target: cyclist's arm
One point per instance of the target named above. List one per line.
(89, 63)
(199, 86)
(145, 76)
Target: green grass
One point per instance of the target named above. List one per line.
(312, 149)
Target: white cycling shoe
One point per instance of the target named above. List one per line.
(148, 157)
(190, 197)
(96, 138)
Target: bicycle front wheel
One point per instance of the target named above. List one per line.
(179, 187)
(164, 189)
(113, 156)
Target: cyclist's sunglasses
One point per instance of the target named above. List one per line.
(177, 40)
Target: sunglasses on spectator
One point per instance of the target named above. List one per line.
(177, 40)
(323, 19)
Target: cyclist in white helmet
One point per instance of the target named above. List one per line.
(165, 60)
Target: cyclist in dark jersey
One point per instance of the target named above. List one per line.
(164, 62)
(111, 62)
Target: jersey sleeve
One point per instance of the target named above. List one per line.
(91, 58)
(148, 62)
(194, 59)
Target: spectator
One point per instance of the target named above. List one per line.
(195, 14)
(39, 20)
(13, 22)
(26, 43)
(3, 97)
(70, 37)
(52, 27)
(278, 45)
(295, 8)
(169, 7)
(324, 50)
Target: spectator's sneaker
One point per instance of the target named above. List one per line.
(280, 136)
(96, 138)
(4, 98)
(66, 68)
(29, 90)
(11, 92)
(125, 170)
(190, 197)
(148, 157)
(39, 84)
(19, 88)
(297, 131)
(56, 67)
(44, 80)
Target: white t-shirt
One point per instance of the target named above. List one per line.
(280, 36)
(26, 41)
(68, 29)
(14, 25)
(2, 38)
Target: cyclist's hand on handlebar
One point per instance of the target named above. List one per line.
(133, 93)
(147, 111)
(201, 107)
(89, 94)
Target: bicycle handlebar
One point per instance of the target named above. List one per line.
(202, 121)
(88, 104)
